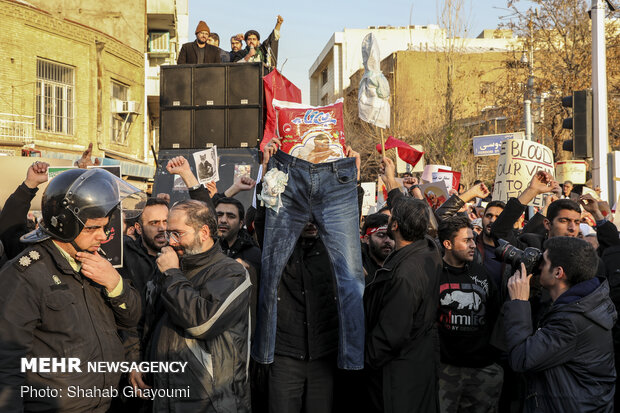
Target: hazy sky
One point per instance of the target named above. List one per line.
(308, 25)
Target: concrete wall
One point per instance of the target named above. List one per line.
(30, 33)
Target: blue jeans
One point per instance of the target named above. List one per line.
(327, 194)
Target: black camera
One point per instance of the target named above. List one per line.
(512, 255)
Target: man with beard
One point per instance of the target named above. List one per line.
(469, 378)
(267, 51)
(485, 243)
(401, 311)
(203, 303)
(376, 244)
(235, 240)
(236, 47)
(199, 51)
(139, 266)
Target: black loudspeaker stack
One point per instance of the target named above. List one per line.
(211, 104)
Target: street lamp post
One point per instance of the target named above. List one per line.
(599, 98)
(529, 93)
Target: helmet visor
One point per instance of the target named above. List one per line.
(97, 193)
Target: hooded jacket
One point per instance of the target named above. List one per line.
(569, 359)
(204, 322)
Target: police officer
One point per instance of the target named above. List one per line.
(61, 299)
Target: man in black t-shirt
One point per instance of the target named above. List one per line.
(469, 378)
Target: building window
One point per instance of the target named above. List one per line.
(324, 77)
(324, 100)
(120, 121)
(54, 101)
(159, 42)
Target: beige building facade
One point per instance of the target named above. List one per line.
(72, 76)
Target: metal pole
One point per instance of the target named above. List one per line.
(599, 89)
(527, 109)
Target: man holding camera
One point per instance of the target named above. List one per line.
(569, 359)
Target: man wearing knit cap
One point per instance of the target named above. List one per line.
(199, 51)
(266, 52)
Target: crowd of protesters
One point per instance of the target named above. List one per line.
(451, 324)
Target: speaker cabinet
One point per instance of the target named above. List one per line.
(245, 84)
(209, 127)
(175, 129)
(244, 126)
(176, 86)
(211, 104)
(209, 85)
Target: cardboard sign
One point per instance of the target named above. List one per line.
(574, 171)
(585, 191)
(518, 162)
(427, 175)
(451, 178)
(370, 196)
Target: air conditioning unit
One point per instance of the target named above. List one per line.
(126, 106)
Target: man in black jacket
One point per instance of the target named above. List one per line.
(204, 305)
(267, 51)
(236, 242)
(569, 358)
(199, 51)
(401, 311)
(376, 244)
(469, 378)
(13, 218)
(60, 299)
(140, 267)
(301, 377)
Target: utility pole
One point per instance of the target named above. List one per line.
(529, 93)
(599, 92)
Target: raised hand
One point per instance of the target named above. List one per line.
(85, 161)
(37, 174)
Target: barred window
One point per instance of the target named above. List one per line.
(54, 100)
(120, 124)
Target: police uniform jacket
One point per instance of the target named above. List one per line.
(48, 310)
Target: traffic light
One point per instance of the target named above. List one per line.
(581, 123)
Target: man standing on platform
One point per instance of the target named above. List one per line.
(199, 51)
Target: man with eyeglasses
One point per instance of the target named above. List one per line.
(203, 308)
(139, 266)
(199, 51)
(61, 301)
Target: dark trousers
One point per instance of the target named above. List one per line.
(297, 386)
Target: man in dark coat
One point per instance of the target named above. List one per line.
(401, 304)
(199, 51)
(204, 305)
(267, 51)
(569, 358)
(14, 215)
(376, 244)
(59, 298)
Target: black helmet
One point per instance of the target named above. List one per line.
(76, 195)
